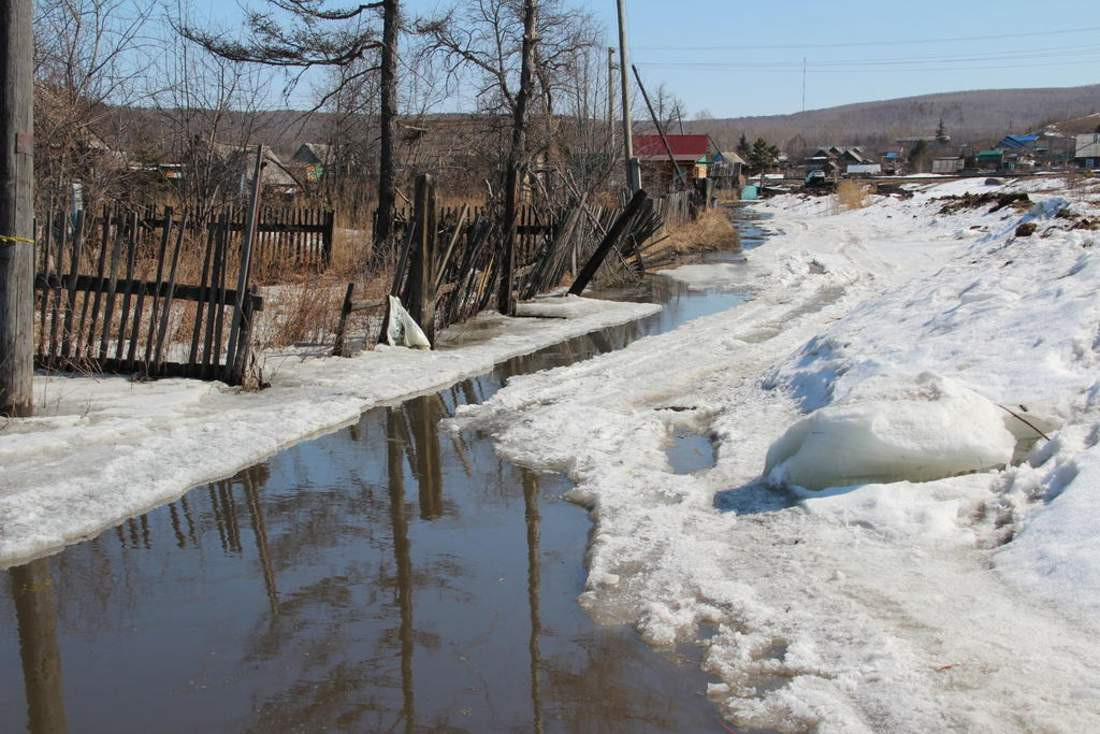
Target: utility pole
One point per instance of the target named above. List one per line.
(611, 97)
(803, 83)
(387, 119)
(633, 175)
(16, 208)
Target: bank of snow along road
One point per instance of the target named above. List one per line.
(899, 533)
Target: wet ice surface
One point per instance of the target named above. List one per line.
(383, 577)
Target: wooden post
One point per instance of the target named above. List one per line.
(340, 348)
(614, 234)
(330, 224)
(245, 266)
(505, 300)
(16, 209)
(633, 177)
(421, 304)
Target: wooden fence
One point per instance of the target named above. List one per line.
(677, 209)
(533, 224)
(285, 236)
(108, 298)
(452, 259)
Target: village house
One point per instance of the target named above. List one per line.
(835, 160)
(1088, 151)
(237, 162)
(313, 158)
(727, 170)
(693, 155)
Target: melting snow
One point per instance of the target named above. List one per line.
(946, 575)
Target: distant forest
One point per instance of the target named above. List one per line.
(978, 117)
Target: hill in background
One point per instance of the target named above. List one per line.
(977, 117)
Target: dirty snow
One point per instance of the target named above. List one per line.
(941, 569)
(104, 449)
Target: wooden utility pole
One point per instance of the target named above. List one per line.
(387, 118)
(611, 97)
(633, 175)
(16, 208)
(517, 158)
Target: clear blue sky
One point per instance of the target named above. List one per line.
(745, 58)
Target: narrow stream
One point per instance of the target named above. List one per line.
(384, 577)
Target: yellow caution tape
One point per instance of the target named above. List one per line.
(7, 239)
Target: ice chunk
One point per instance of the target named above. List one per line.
(939, 431)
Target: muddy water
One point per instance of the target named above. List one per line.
(385, 577)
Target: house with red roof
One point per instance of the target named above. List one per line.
(694, 154)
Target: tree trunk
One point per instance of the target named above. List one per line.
(517, 157)
(16, 209)
(387, 176)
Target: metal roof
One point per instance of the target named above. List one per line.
(685, 148)
(1017, 141)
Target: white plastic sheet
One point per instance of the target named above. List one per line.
(402, 330)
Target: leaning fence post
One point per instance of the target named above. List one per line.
(340, 348)
(245, 261)
(614, 234)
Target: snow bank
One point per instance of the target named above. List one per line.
(906, 606)
(104, 449)
(943, 430)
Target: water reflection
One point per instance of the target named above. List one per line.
(401, 555)
(36, 616)
(370, 580)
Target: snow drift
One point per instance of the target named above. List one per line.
(946, 429)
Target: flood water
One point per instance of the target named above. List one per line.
(384, 577)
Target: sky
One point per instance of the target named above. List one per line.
(730, 59)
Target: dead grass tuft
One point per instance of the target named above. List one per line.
(853, 195)
(711, 232)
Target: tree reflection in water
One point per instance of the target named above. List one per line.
(176, 621)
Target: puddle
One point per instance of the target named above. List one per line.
(690, 452)
(383, 577)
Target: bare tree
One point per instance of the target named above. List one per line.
(84, 71)
(318, 35)
(480, 44)
(208, 107)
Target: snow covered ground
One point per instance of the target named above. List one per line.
(104, 449)
(887, 541)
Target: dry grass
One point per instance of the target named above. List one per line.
(711, 232)
(853, 195)
(727, 196)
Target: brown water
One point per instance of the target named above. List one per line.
(385, 577)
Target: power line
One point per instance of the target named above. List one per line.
(895, 70)
(1061, 54)
(860, 44)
